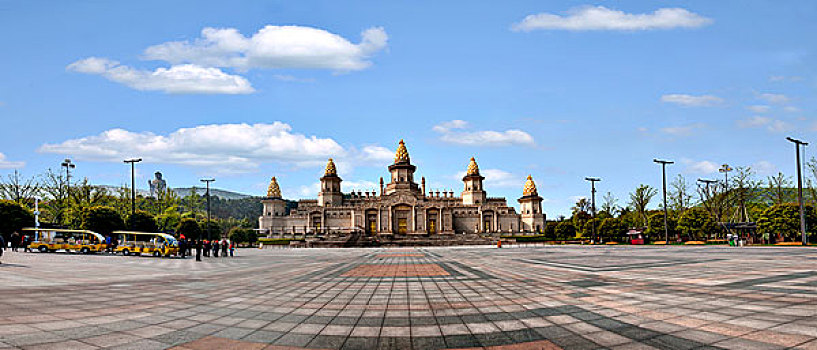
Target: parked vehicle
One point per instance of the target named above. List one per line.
(52, 239)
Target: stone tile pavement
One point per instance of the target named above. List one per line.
(424, 298)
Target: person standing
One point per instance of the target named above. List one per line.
(232, 248)
(183, 247)
(207, 248)
(215, 248)
(26, 243)
(2, 246)
(15, 241)
(224, 248)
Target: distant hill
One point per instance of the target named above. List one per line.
(223, 194)
(185, 191)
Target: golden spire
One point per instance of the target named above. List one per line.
(273, 191)
(473, 169)
(530, 188)
(402, 155)
(330, 168)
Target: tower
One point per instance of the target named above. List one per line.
(330, 194)
(402, 173)
(473, 192)
(274, 207)
(532, 218)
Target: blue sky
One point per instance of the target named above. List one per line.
(559, 89)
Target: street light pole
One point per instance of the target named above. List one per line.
(593, 204)
(133, 161)
(797, 144)
(208, 181)
(68, 166)
(664, 173)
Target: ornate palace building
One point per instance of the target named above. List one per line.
(402, 208)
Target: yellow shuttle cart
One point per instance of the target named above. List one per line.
(53, 239)
(153, 243)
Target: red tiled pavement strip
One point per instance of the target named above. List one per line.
(534, 345)
(399, 255)
(208, 343)
(403, 270)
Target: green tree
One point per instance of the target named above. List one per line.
(19, 189)
(190, 228)
(697, 223)
(679, 197)
(612, 228)
(655, 226)
(14, 217)
(243, 235)
(777, 191)
(169, 219)
(550, 229)
(102, 220)
(609, 205)
(142, 221)
(783, 221)
(587, 229)
(640, 199)
(565, 230)
(213, 229)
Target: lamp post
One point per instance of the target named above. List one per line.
(207, 182)
(593, 204)
(797, 144)
(68, 165)
(664, 174)
(132, 162)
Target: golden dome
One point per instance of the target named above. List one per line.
(473, 168)
(530, 188)
(401, 156)
(274, 191)
(330, 169)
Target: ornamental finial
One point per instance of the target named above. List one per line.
(530, 187)
(273, 191)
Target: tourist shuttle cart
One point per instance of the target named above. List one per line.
(153, 243)
(52, 239)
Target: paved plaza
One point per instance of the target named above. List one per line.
(551, 297)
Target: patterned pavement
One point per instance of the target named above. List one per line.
(550, 297)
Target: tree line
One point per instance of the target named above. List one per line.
(78, 204)
(764, 210)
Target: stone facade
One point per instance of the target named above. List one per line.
(402, 208)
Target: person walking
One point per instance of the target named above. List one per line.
(224, 248)
(215, 249)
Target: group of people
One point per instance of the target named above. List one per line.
(16, 240)
(207, 247)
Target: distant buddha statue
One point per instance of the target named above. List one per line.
(157, 185)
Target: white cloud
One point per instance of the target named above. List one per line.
(480, 138)
(293, 79)
(683, 130)
(764, 167)
(703, 167)
(273, 47)
(773, 125)
(791, 109)
(376, 154)
(759, 108)
(602, 18)
(221, 147)
(778, 78)
(179, 79)
(447, 126)
(497, 178)
(774, 98)
(7, 164)
(692, 100)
